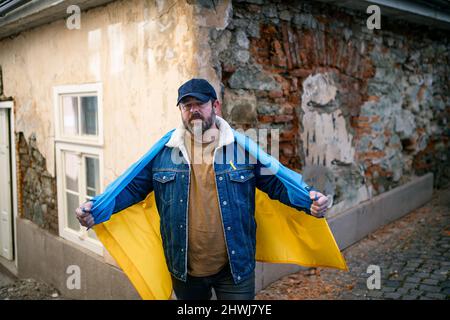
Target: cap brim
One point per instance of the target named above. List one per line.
(202, 97)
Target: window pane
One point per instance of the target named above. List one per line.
(89, 115)
(71, 171)
(70, 115)
(92, 176)
(72, 205)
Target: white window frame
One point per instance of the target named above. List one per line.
(82, 89)
(85, 145)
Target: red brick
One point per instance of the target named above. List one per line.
(279, 118)
(373, 98)
(302, 73)
(275, 93)
(286, 47)
(279, 57)
(288, 135)
(294, 99)
(283, 118)
(372, 155)
(287, 108)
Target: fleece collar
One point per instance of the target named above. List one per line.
(226, 135)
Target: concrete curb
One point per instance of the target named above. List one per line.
(354, 224)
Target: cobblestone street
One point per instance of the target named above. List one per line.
(413, 254)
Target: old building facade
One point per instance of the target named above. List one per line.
(358, 112)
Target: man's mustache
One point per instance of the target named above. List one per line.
(196, 116)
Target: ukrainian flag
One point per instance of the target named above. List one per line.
(283, 235)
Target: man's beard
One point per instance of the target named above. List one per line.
(199, 125)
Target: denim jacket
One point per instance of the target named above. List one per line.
(168, 175)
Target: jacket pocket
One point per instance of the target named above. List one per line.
(241, 188)
(164, 185)
(241, 175)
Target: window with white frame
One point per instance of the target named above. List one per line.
(79, 157)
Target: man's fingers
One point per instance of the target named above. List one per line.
(86, 219)
(321, 201)
(318, 213)
(319, 208)
(319, 204)
(83, 212)
(90, 221)
(313, 195)
(86, 210)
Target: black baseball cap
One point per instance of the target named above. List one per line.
(197, 88)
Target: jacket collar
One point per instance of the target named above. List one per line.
(226, 135)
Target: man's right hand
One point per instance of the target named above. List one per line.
(84, 215)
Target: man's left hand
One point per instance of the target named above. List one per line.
(319, 205)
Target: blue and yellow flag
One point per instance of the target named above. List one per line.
(283, 234)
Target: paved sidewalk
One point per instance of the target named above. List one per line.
(5, 278)
(12, 288)
(413, 254)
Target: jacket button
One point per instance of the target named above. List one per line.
(224, 203)
(164, 177)
(239, 277)
(242, 177)
(220, 178)
(182, 250)
(228, 228)
(181, 226)
(181, 200)
(182, 175)
(232, 252)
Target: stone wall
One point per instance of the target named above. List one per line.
(37, 188)
(359, 112)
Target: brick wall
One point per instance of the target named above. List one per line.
(359, 112)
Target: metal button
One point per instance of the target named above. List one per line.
(182, 250)
(220, 178)
(181, 226)
(181, 200)
(182, 175)
(228, 228)
(232, 252)
(224, 203)
(164, 177)
(242, 177)
(239, 277)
